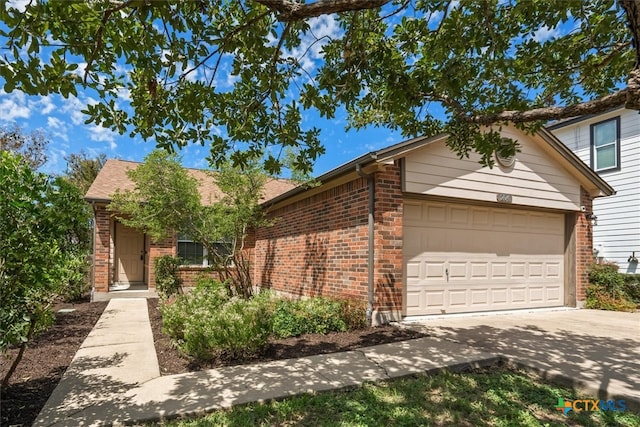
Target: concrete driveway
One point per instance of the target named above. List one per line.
(598, 352)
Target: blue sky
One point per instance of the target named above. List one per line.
(63, 123)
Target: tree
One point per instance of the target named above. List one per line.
(44, 224)
(32, 147)
(166, 200)
(238, 75)
(82, 169)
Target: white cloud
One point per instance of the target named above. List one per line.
(55, 123)
(13, 106)
(322, 29)
(47, 104)
(100, 134)
(545, 33)
(20, 5)
(73, 107)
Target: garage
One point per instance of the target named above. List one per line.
(461, 258)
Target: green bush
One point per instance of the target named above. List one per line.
(78, 285)
(607, 289)
(208, 323)
(354, 314)
(168, 281)
(632, 287)
(599, 298)
(311, 316)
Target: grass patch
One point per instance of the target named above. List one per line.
(495, 397)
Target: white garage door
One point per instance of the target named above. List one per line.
(462, 258)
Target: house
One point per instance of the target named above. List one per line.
(610, 144)
(124, 257)
(414, 230)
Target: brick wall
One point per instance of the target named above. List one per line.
(584, 246)
(319, 245)
(156, 250)
(102, 257)
(191, 274)
(388, 240)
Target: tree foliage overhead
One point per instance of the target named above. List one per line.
(239, 74)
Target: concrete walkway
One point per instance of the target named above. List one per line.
(115, 379)
(596, 352)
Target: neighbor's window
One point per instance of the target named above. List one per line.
(191, 253)
(605, 145)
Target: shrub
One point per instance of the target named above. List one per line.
(607, 289)
(354, 314)
(168, 282)
(599, 298)
(78, 284)
(607, 277)
(632, 287)
(208, 323)
(312, 316)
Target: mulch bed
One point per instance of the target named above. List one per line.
(44, 362)
(48, 356)
(172, 362)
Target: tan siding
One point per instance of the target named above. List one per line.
(535, 180)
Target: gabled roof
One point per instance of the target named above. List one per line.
(592, 182)
(113, 175)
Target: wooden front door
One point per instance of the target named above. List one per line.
(129, 254)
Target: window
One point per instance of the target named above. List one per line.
(194, 253)
(191, 253)
(605, 145)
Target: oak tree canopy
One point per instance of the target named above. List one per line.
(239, 75)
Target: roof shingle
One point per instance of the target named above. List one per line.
(113, 175)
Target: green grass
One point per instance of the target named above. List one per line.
(496, 397)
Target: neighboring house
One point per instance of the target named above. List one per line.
(415, 230)
(610, 144)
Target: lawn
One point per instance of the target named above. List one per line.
(495, 397)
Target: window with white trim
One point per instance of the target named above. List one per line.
(605, 145)
(192, 253)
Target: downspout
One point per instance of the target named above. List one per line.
(371, 243)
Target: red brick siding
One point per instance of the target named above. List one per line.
(584, 246)
(102, 236)
(156, 250)
(190, 275)
(319, 245)
(388, 239)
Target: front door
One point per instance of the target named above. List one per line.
(130, 254)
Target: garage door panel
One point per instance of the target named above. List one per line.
(466, 258)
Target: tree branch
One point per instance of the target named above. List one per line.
(627, 97)
(294, 11)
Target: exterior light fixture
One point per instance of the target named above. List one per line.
(592, 218)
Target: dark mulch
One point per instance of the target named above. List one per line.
(44, 362)
(172, 362)
(48, 356)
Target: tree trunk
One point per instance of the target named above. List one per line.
(16, 361)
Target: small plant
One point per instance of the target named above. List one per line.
(168, 281)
